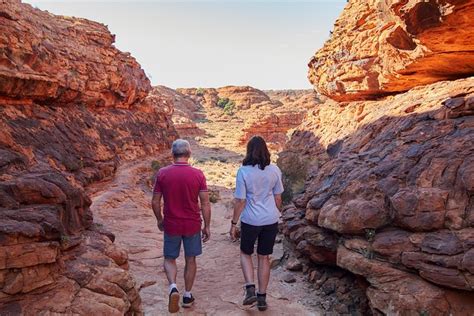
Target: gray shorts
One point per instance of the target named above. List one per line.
(172, 245)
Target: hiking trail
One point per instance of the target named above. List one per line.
(123, 206)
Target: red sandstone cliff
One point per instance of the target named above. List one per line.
(72, 107)
(385, 47)
(270, 114)
(388, 185)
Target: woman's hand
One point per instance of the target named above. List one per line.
(233, 233)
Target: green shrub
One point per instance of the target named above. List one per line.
(200, 92)
(227, 105)
(155, 165)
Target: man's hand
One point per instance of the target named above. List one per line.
(233, 233)
(160, 225)
(206, 233)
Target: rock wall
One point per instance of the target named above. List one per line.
(270, 114)
(72, 107)
(384, 189)
(385, 47)
(186, 111)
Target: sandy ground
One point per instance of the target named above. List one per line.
(124, 207)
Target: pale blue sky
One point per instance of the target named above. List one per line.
(265, 44)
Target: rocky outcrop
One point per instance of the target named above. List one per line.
(388, 195)
(244, 97)
(385, 47)
(274, 122)
(383, 188)
(72, 107)
(270, 114)
(273, 127)
(186, 111)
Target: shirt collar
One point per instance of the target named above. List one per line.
(180, 164)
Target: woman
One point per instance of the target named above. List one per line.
(257, 202)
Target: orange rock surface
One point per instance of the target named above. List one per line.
(387, 194)
(384, 188)
(72, 107)
(270, 114)
(379, 48)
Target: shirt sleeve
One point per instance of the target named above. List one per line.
(157, 187)
(203, 184)
(240, 190)
(278, 187)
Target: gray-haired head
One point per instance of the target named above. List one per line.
(181, 148)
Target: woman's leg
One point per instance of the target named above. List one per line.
(263, 273)
(248, 236)
(247, 267)
(266, 240)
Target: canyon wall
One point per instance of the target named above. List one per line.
(72, 107)
(385, 47)
(384, 188)
(250, 112)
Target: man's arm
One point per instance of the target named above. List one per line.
(278, 201)
(156, 206)
(206, 214)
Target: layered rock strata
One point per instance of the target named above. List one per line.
(187, 112)
(383, 188)
(388, 195)
(72, 107)
(270, 114)
(386, 47)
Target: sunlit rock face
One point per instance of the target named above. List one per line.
(384, 188)
(390, 182)
(385, 47)
(72, 107)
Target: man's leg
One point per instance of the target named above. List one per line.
(192, 249)
(171, 247)
(189, 273)
(171, 270)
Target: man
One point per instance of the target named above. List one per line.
(181, 185)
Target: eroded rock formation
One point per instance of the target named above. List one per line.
(384, 188)
(385, 47)
(72, 107)
(186, 111)
(270, 114)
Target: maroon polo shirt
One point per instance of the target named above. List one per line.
(180, 185)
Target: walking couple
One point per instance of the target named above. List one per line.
(257, 203)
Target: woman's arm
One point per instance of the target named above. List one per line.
(239, 205)
(278, 201)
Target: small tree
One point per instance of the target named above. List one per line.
(200, 92)
(227, 105)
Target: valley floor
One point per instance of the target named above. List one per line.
(124, 207)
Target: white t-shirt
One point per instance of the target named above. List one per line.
(258, 187)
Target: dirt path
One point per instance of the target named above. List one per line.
(124, 207)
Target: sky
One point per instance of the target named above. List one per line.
(265, 44)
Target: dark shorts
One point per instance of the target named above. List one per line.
(265, 235)
(172, 245)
